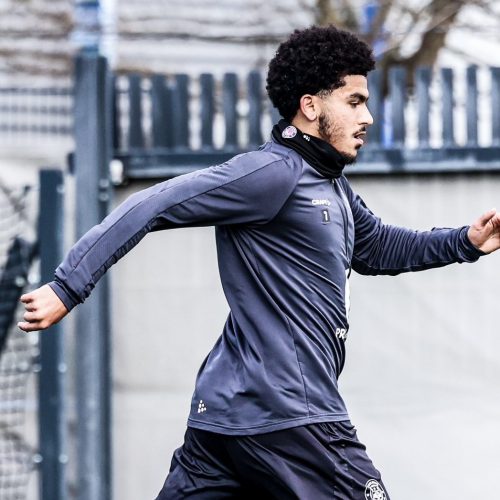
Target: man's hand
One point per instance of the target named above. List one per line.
(43, 309)
(484, 234)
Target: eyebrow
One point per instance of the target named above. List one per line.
(359, 96)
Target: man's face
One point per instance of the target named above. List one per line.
(344, 116)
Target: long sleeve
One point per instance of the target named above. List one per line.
(249, 189)
(386, 249)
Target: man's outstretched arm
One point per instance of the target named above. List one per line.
(251, 189)
(390, 250)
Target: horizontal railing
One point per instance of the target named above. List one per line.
(182, 113)
(433, 104)
(30, 113)
(442, 119)
(169, 124)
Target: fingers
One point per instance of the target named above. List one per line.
(486, 217)
(30, 316)
(43, 308)
(23, 326)
(33, 315)
(32, 322)
(27, 298)
(26, 326)
(495, 220)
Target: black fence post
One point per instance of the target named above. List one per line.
(230, 103)
(447, 99)
(495, 106)
(471, 106)
(376, 106)
(423, 79)
(180, 111)
(397, 85)
(93, 152)
(207, 114)
(159, 111)
(254, 108)
(51, 411)
(135, 132)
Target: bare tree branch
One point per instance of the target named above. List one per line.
(443, 16)
(325, 14)
(351, 21)
(379, 21)
(467, 57)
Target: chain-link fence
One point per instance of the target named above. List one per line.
(18, 351)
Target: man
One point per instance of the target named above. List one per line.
(266, 416)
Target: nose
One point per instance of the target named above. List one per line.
(366, 117)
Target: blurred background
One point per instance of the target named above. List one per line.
(101, 98)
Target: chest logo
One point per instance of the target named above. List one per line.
(325, 216)
(326, 203)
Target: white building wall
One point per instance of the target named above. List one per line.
(421, 372)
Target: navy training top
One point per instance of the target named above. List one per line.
(286, 241)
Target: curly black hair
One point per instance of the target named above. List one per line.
(314, 60)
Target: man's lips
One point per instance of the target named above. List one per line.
(359, 137)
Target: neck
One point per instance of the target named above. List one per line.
(306, 126)
(319, 154)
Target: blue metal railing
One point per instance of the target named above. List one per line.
(170, 124)
(165, 125)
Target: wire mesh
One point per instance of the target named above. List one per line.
(18, 351)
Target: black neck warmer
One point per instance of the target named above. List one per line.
(318, 153)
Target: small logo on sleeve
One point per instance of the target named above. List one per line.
(201, 406)
(374, 491)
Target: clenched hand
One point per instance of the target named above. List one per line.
(43, 309)
(484, 234)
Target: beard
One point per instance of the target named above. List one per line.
(329, 130)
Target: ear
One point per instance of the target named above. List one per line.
(310, 107)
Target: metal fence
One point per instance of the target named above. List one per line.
(444, 119)
(29, 251)
(18, 351)
(169, 124)
(35, 114)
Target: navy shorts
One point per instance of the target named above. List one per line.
(311, 462)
